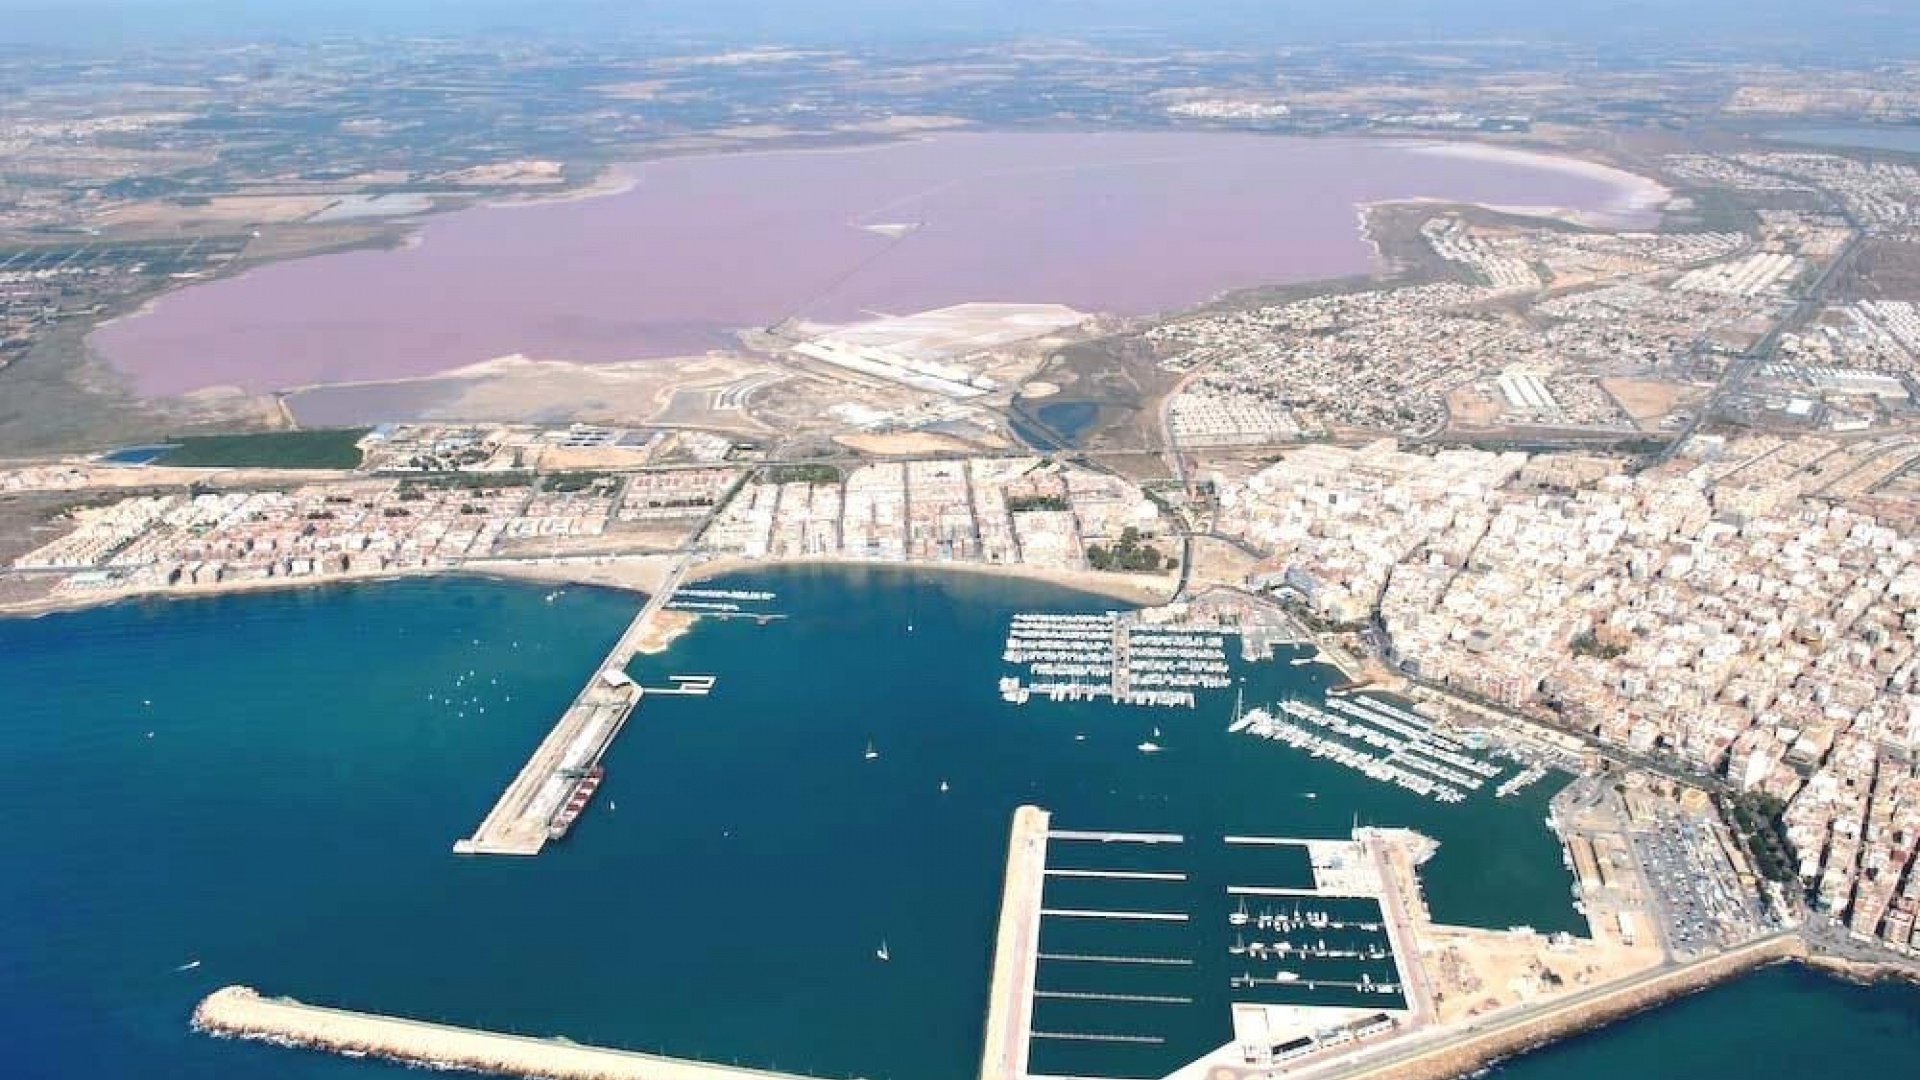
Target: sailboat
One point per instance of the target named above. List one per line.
(943, 786)
(871, 752)
(881, 952)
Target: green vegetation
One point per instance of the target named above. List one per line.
(334, 448)
(567, 482)
(1756, 820)
(1585, 644)
(481, 482)
(1129, 554)
(802, 474)
(1017, 503)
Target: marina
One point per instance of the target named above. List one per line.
(1382, 741)
(724, 603)
(1222, 930)
(1112, 656)
(717, 788)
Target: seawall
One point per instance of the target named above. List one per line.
(1596, 1008)
(1865, 971)
(240, 1012)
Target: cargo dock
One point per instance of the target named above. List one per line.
(553, 787)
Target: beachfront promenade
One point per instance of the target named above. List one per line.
(1016, 952)
(241, 1012)
(518, 822)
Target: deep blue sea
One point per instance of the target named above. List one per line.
(270, 785)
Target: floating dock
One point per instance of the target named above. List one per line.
(240, 1012)
(1016, 956)
(529, 812)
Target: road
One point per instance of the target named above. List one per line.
(1734, 379)
(1389, 1057)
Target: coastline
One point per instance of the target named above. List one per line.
(1862, 972)
(642, 574)
(1132, 588)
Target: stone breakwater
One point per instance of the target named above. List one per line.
(241, 1012)
(1590, 1010)
(1867, 972)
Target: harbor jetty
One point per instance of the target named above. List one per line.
(241, 1012)
(554, 785)
(1016, 955)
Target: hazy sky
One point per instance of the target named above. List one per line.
(1805, 24)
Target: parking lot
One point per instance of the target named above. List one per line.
(1696, 893)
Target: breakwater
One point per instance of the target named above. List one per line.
(241, 1012)
(1592, 1009)
(1016, 949)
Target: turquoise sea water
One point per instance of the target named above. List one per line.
(270, 784)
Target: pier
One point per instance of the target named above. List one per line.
(1098, 958)
(1136, 916)
(1016, 956)
(1282, 890)
(1117, 875)
(554, 782)
(1116, 837)
(240, 1012)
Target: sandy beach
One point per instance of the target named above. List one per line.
(1133, 588)
(635, 573)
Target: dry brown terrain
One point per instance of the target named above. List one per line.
(1885, 270)
(904, 444)
(226, 210)
(1467, 407)
(1647, 401)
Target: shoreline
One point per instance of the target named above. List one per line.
(1130, 588)
(1862, 972)
(1635, 193)
(641, 574)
